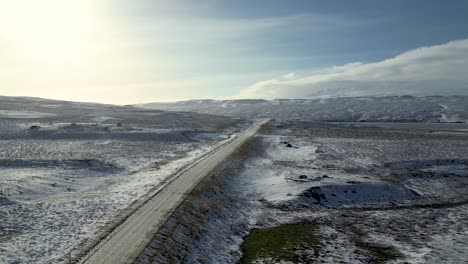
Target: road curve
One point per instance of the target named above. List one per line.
(128, 240)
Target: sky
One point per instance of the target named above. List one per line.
(125, 52)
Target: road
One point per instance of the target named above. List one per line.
(128, 240)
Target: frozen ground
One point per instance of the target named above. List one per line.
(68, 169)
(392, 194)
(446, 109)
(387, 194)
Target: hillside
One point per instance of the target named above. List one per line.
(376, 109)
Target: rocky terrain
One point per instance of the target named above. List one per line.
(301, 191)
(306, 192)
(69, 171)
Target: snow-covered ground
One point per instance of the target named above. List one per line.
(394, 192)
(394, 188)
(390, 195)
(377, 109)
(68, 169)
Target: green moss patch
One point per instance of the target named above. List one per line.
(290, 242)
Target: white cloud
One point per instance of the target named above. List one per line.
(133, 60)
(435, 70)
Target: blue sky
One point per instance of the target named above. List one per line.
(168, 50)
(326, 32)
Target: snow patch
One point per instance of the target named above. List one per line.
(23, 114)
(101, 119)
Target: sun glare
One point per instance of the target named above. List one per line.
(49, 31)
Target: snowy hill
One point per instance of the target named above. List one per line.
(379, 109)
(68, 169)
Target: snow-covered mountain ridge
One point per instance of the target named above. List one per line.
(378, 109)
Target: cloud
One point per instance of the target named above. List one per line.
(434, 70)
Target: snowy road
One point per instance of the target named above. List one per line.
(127, 241)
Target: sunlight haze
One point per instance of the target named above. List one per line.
(142, 51)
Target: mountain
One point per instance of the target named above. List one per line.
(378, 109)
